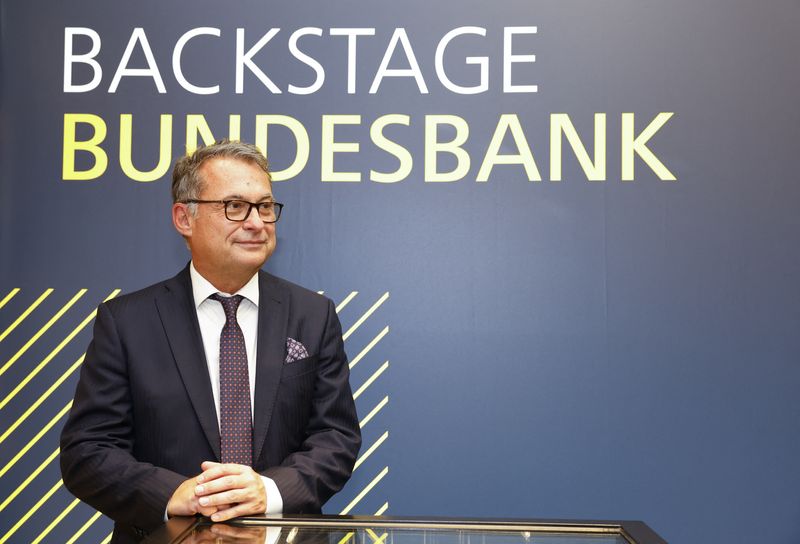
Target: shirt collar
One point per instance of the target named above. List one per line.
(202, 288)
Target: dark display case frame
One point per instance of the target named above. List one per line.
(180, 530)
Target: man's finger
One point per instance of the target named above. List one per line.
(242, 509)
(225, 467)
(183, 502)
(231, 496)
(219, 485)
(207, 511)
(212, 471)
(228, 513)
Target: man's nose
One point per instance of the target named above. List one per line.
(253, 220)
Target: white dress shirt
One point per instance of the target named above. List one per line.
(211, 317)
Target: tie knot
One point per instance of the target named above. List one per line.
(229, 304)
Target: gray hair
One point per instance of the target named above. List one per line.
(187, 184)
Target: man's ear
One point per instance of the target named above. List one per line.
(181, 218)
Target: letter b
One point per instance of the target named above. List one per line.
(86, 58)
(92, 146)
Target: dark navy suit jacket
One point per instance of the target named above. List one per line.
(144, 419)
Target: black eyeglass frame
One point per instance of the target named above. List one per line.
(251, 205)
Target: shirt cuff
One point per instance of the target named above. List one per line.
(274, 499)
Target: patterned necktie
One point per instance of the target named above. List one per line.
(236, 427)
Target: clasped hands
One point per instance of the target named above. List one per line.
(222, 491)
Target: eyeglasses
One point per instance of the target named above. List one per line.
(239, 210)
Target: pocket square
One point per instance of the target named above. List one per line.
(294, 351)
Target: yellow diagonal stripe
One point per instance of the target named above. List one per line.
(31, 512)
(107, 539)
(371, 345)
(371, 449)
(83, 528)
(363, 493)
(364, 317)
(35, 439)
(11, 294)
(24, 314)
(53, 353)
(346, 301)
(55, 522)
(41, 331)
(370, 415)
(29, 479)
(375, 538)
(350, 535)
(42, 398)
(361, 389)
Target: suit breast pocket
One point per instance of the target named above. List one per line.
(298, 368)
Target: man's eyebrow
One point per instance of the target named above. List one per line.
(267, 197)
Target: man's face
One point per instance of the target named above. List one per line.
(224, 248)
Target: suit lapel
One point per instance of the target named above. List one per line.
(273, 317)
(179, 317)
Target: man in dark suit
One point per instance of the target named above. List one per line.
(223, 391)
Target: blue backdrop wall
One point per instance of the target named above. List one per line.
(562, 239)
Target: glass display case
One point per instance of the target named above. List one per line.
(296, 529)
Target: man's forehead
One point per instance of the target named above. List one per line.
(224, 162)
(224, 172)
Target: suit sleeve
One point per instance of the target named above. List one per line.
(97, 463)
(323, 464)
